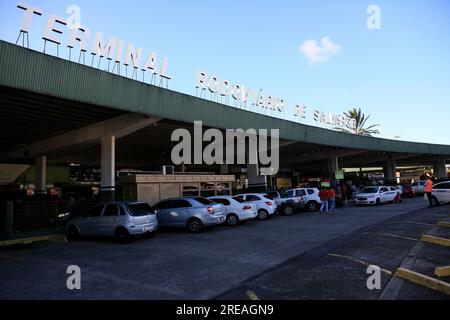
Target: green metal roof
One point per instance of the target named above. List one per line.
(40, 73)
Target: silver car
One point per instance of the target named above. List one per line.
(236, 209)
(192, 213)
(121, 219)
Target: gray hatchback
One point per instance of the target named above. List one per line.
(192, 213)
(121, 219)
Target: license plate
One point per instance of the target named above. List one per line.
(145, 229)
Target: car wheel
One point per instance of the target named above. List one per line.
(288, 210)
(378, 202)
(194, 225)
(434, 202)
(262, 214)
(73, 234)
(312, 206)
(232, 220)
(122, 235)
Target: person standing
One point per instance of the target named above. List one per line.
(344, 191)
(429, 189)
(332, 200)
(323, 194)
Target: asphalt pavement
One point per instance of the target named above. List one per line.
(305, 256)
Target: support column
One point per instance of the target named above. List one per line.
(391, 169)
(439, 169)
(255, 181)
(333, 165)
(108, 168)
(41, 175)
(223, 169)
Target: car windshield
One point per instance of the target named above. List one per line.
(203, 200)
(140, 209)
(369, 190)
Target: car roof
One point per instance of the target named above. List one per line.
(120, 202)
(179, 198)
(223, 196)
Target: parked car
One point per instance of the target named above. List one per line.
(121, 219)
(288, 202)
(310, 196)
(193, 213)
(273, 194)
(418, 187)
(376, 195)
(236, 209)
(264, 206)
(440, 194)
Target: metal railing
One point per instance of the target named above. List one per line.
(29, 216)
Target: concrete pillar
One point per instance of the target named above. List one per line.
(333, 165)
(223, 169)
(41, 174)
(108, 167)
(391, 169)
(254, 179)
(439, 169)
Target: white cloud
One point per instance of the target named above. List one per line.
(319, 53)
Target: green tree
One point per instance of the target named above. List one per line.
(360, 122)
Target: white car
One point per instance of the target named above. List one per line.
(376, 195)
(236, 209)
(264, 206)
(418, 187)
(309, 196)
(440, 194)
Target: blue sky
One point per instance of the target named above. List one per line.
(399, 74)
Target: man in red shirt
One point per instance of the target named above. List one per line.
(429, 189)
(323, 194)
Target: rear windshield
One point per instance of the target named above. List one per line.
(239, 199)
(271, 194)
(203, 200)
(140, 209)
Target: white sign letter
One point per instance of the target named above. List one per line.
(81, 38)
(52, 28)
(29, 10)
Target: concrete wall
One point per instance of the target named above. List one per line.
(152, 188)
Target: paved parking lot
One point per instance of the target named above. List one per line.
(306, 256)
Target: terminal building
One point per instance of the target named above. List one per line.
(69, 124)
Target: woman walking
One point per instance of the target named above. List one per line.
(332, 200)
